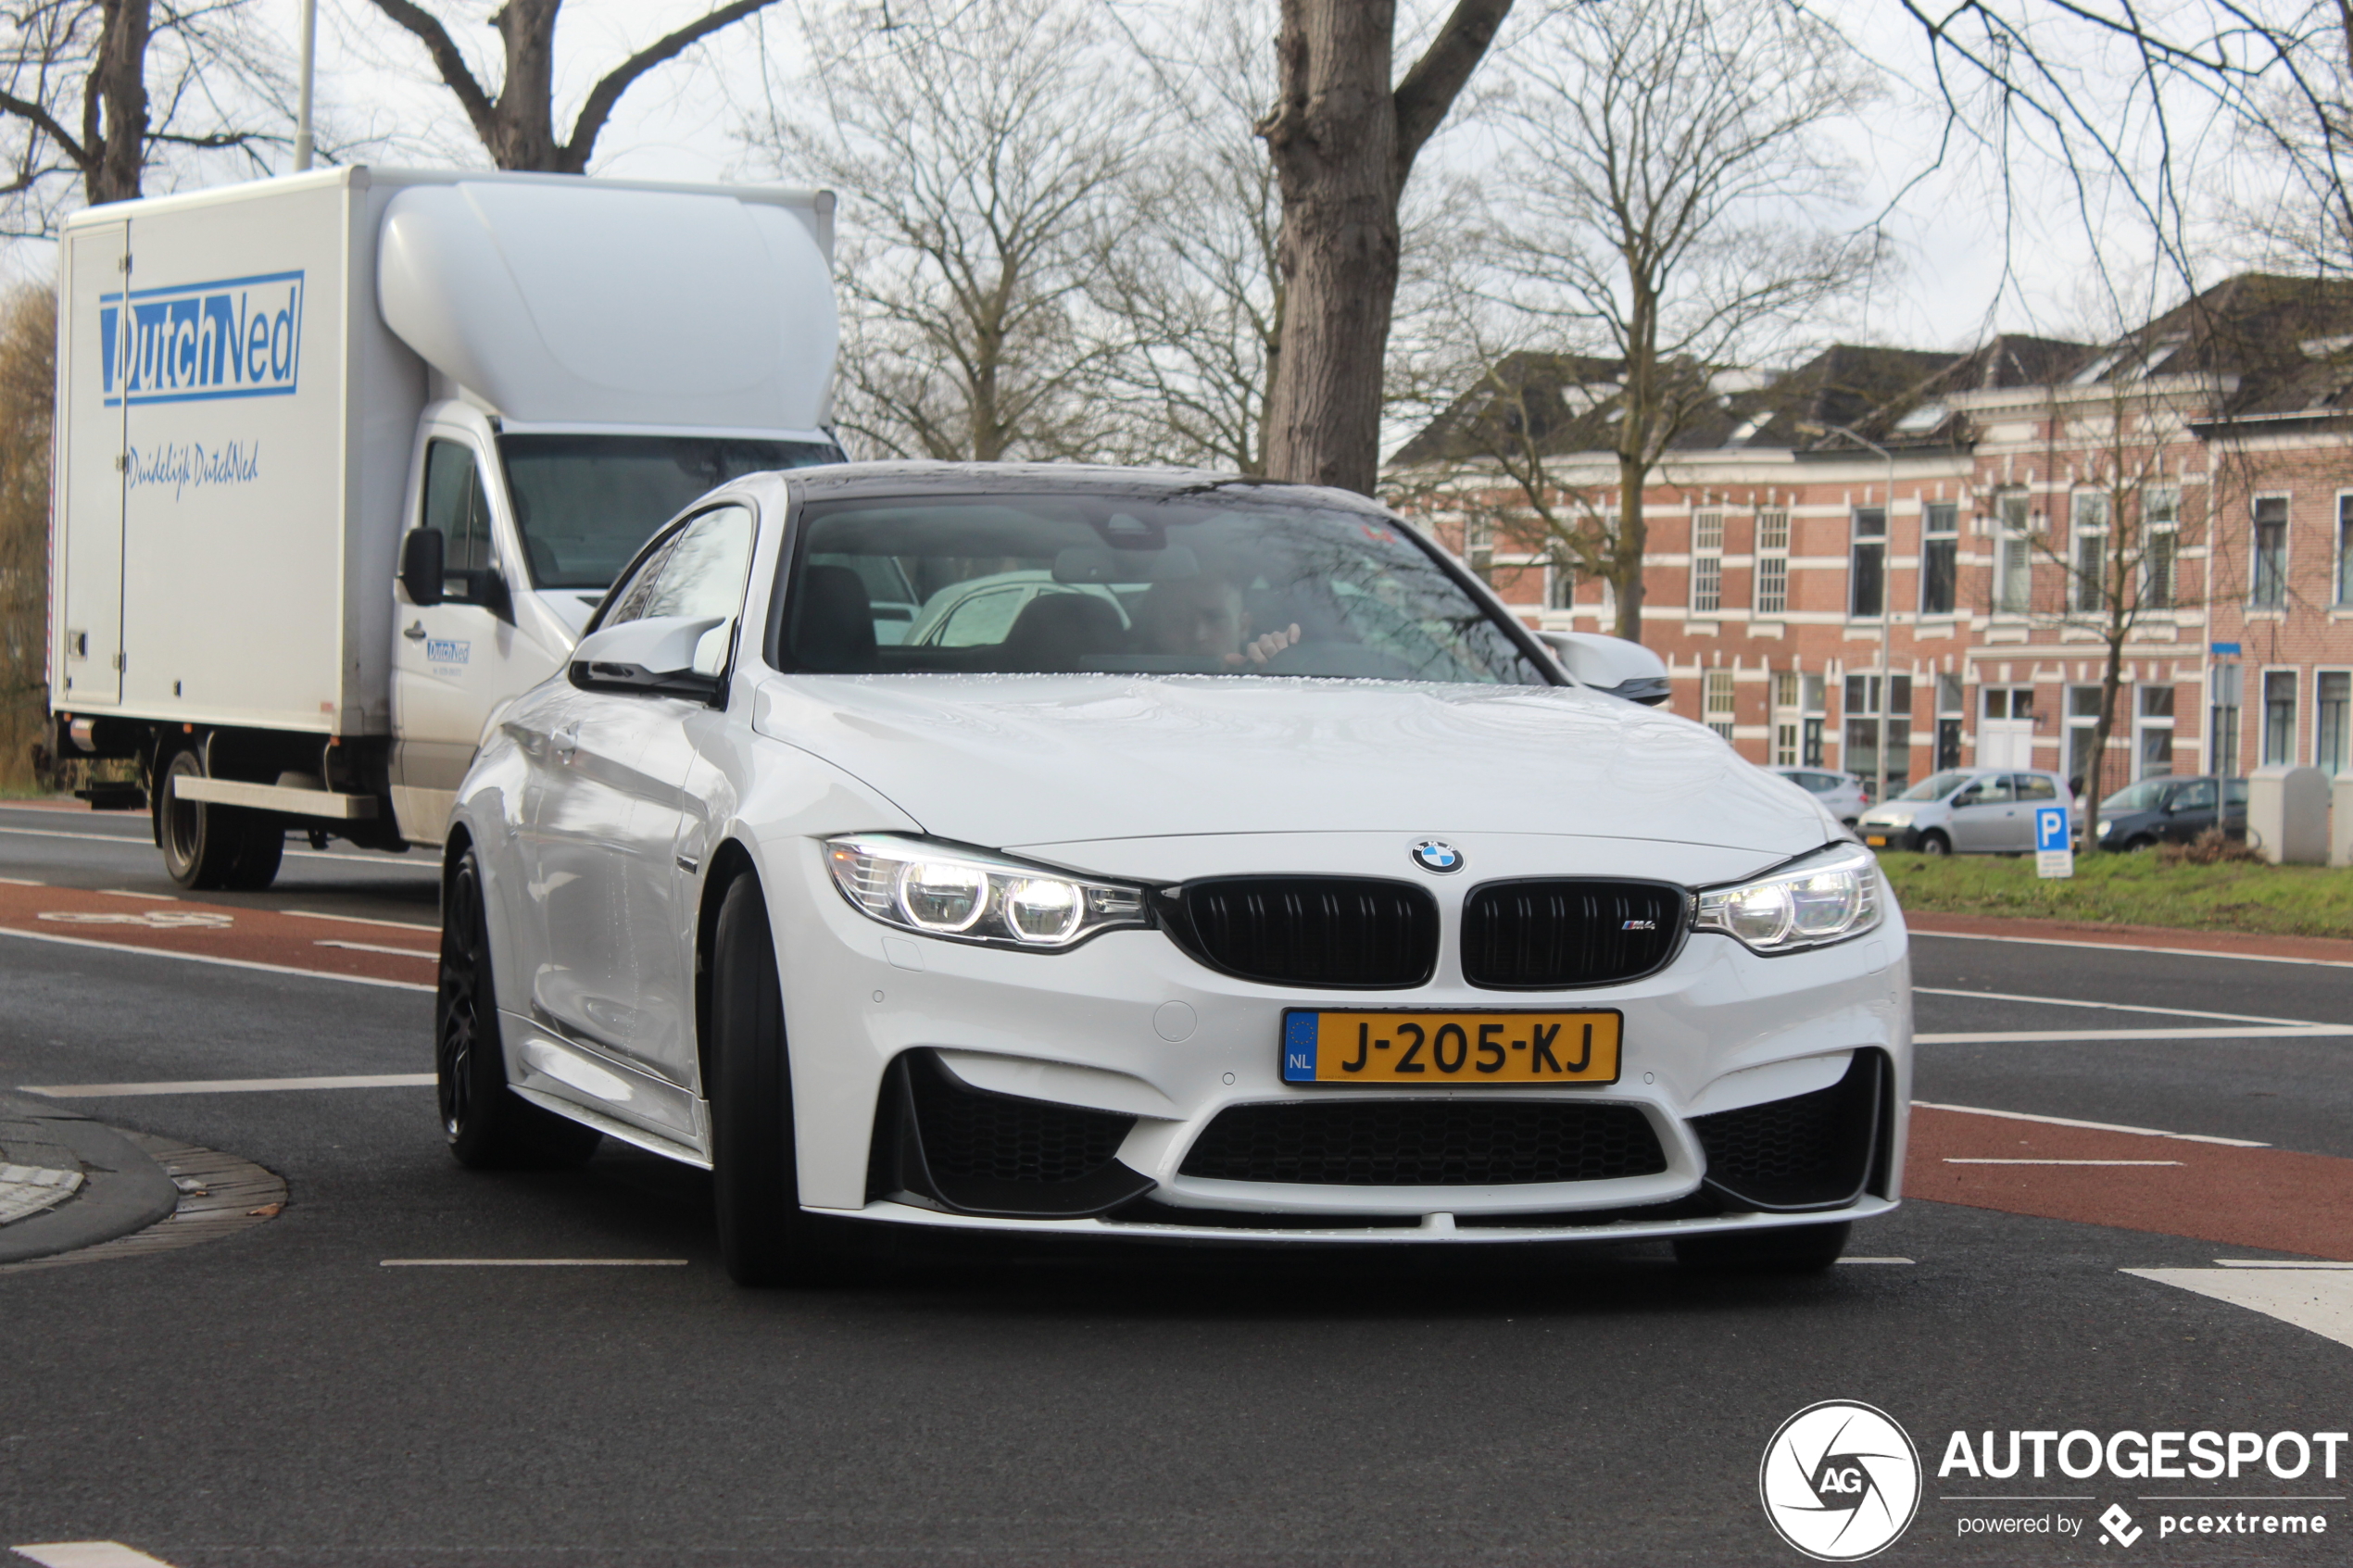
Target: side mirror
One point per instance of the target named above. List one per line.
(656, 657)
(1611, 665)
(420, 565)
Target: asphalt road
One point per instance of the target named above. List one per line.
(282, 1396)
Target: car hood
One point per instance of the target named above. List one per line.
(1010, 761)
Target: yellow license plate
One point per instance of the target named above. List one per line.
(1877, 840)
(1415, 1050)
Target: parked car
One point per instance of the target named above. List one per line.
(1842, 794)
(1967, 810)
(2171, 810)
(1311, 902)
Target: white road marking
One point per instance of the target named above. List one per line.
(2120, 948)
(151, 920)
(532, 1263)
(2114, 1007)
(1949, 1161)
(21, 882)
(137, 841)
(375, 947)
(88, 1554)
(2276, 1264)
(127, 893)
(208, 957)
(1906, 1261)
(2054, 1036)
(354, 920)
(2321, 1301)
(2093, 1127)
(231, 1085)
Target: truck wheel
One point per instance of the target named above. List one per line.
(763, 1236)
(1784, 1249)
(201, 842)
(488, 1128)
(259, 853)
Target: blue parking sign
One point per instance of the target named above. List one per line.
(2050, 828)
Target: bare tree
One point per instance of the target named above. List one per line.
(1343, 140)
(1667, 206)
(518, 125)
(27, 379)
(95, 93)
(980, 157)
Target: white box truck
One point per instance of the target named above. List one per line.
(345, 460)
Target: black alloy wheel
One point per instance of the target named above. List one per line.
(764, 1236)
(1784, 1249)
(488, 1128)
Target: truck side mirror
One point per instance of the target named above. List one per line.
(421, 566)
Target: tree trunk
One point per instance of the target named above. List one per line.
(1633, 539)
(115, 105)
(2111, 680)
(523, 121)
(1333, 139)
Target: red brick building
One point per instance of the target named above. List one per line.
(1960, 537)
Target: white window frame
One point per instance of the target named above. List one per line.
(2013, 554)
(1707, 562)
(1771, 593)
(2343, 579)
(2144, 725)
(1560, 585)
(2263, 713)
(2087, 593)
(2345, 737)
(2255, 599)
(1950, 536)
(1786, 697)
(1713, 683)
(2155, 525)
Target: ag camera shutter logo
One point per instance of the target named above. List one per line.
(1840, 1481)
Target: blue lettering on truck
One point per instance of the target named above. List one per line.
(238, 337)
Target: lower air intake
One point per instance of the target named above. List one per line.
(975, 1152)
(1426, 1143)
(1809, 1152)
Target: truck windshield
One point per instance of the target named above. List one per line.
(584, 503)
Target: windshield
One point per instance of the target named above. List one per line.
(1936, 786)
(583, 503)
(1073, 583)
(2146, 795)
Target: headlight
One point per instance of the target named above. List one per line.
(2106, 823)
(1828, 896)
(971, 896)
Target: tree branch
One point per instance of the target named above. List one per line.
(455, 73)
(47, 122)
(1429, 89)
(602, 98)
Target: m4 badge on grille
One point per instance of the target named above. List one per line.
(1436, 855)
(1640, 925)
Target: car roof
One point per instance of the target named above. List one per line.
(910, 479)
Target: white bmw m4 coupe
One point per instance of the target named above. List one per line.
(1229, 866)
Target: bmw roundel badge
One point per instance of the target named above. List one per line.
(1436, 855)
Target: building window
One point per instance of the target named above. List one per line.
(2083, 773)
(1772, 563)
(2153, 739)
(1940, 549)
(2161, 545)
(1560, 585)
(2344, 549)
(1813, 704)
(1707, 562)
(2091, 550)
(2013, 554)
(2268, 589)
(1716, 701)
(1867, 574)
(1949, 716)
(1786, 689)
(2222, 720)
(2332, 698)
(2279, 718)
(1863, 694)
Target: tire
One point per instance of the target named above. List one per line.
(1785, 1250)
(764, 1238)
(207, 846)
(260, 851)
(1936, 844)
(488, 1128)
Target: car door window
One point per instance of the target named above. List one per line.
(456, 508)
(635, 592)
(704, 569)
(982, 619)
(2196, 796)
(2034, 786)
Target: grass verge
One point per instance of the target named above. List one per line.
(2132, 889)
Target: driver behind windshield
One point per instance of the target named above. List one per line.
(1204, 617)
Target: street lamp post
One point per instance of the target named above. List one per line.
(302, 106)
(1886, 598)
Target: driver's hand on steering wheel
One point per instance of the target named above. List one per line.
(1258, 650)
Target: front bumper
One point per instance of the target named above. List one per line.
(1889, 836)
(1130, 1026)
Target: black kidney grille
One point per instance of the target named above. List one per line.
(1544, 936)
(1806, 1151)
(1426, 1143)
(969, 1136)
(1312, 931)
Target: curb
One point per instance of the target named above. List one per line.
(123, 1190)
(2150, 939)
